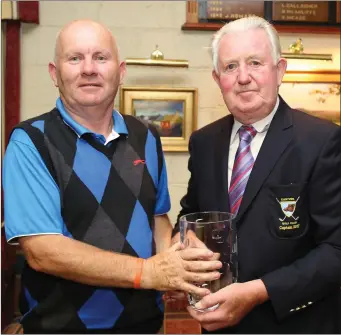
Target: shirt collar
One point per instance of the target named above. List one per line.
(260, 126)
(119, 126)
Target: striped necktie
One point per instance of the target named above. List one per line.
(242, 167)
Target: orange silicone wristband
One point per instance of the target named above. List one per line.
(137, 280)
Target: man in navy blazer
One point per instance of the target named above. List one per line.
(279, 171)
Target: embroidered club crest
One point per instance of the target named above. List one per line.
(288, 206)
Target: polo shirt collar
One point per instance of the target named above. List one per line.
(119, 126)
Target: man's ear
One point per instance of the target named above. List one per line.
(281, 68)
(53, 73)
(216, 77)
(122, 69)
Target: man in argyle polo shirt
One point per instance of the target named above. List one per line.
(278, 170)
(86, 197)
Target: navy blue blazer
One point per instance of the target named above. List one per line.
(299, 161)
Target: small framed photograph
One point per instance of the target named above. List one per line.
(172, 111)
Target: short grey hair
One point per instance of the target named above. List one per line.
(244, 24)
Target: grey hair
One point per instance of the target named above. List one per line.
(244, 24)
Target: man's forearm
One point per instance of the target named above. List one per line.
(73, 260)
(162, 233)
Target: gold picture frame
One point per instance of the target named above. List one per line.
(317, 76)
(313, 92)
(172, 110)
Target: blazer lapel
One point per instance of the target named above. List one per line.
(277, 139)
(222, 145)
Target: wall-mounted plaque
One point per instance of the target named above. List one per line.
(312, 17)
(230, 10)
(300, 11)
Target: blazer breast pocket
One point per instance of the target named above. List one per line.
(287, 216)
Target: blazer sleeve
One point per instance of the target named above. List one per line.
(189, 201)
(318, 273)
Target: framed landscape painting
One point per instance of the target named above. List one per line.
(314, 92)
(172, 111)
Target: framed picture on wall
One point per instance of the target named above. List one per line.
(313, 92)
(172, 111)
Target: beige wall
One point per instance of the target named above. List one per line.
(6, 10)
(138, 27)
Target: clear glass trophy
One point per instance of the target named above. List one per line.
(216, 231)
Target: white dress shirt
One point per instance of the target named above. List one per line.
(261, 126)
